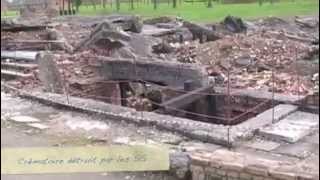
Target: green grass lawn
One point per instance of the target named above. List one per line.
(199, 12)
(9, 14)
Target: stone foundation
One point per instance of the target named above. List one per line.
(224, 164)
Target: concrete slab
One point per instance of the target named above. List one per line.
(266, 155)
(262, 94)
(312, 162)
(86, 125)
(301, 150)
(246, 129)
(314, 138)
(262, 145)
(198, 146)
(11, 73)
(23, 119)
(153, 30)
(20, 55)
(292, 128)
(38, 126)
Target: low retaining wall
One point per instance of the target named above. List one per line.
(195, 130)
(205, 132)
(218, 165)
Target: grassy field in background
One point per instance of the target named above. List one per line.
(200, 13)
(9, 14)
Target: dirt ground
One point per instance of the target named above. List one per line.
(60, 134)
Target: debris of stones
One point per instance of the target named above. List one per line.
(105, 34)
(129, 23)
(163, 19)
(162, 48)
(200, 32)
(251, 57)
(234, 24)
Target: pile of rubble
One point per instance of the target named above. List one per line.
(250, 59)
(186, 53)
(139, 103)
(249, 52)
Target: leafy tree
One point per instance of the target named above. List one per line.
(209, 3)
(260, 2)
(155, 4)
(174, 3)
(93, 4)
(118, 5)
(77, 3)
(103, 2)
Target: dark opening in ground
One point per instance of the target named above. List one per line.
(221, 109)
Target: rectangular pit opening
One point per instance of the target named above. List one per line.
(219, 109)
(205, 105)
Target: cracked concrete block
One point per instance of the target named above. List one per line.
(197, 169)
(221, 172)
(214, 177)
(258, 178)
(210, 170)
(259, 170)
(303, 176)
(292, 128)
(233, 166)
(233, 174)
(49, 73)
(262, 145)
(198, 160)
(24, 119)
(264, 119)
(245, 176)
(171, 74)
(179, 165)
(215, 164)
(282, 175)
(38, 126)
(197, 173)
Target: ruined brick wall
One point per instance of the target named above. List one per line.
(224, 164)
(106, 92)
(37, 8)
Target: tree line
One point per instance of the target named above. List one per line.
(103, 3)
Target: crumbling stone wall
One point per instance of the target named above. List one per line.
(32, 8)
(223, 164)
(106, 92)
